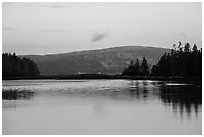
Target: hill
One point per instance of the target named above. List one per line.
(106, 61)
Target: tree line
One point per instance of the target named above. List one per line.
(137, 69)
(181, 61)
(13, 66)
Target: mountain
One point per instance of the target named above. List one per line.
(106, 61)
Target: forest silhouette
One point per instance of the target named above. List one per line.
(13, 66)
(182, 61)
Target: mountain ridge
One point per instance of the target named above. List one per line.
(90, 50)
(106, 61)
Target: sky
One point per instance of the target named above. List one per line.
(50, 28)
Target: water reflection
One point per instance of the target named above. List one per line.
(182, 98)
(141, 89)
(17, 95)
(185, 98)
(101, 107)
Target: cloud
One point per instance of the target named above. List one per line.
(182, 35)
(54, 30)
(35, 29)
(9, 28)
(58, 6)
(99, 36)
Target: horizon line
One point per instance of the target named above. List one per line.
(147, 46)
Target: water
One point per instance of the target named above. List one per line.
(119, 107)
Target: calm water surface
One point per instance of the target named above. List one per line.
(101, 107)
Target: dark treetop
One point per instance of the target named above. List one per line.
(13, 66)
(182, 61)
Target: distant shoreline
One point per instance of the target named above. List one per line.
(102, 76)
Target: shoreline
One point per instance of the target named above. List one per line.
(102, 76)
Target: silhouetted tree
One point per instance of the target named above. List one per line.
(135, 69)
(187, 47)
(195, 49)
(13, 66)
(144, 67)
(179, 62)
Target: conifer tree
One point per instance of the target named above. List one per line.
(179, 62)
(13, 66)
(144, 67)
